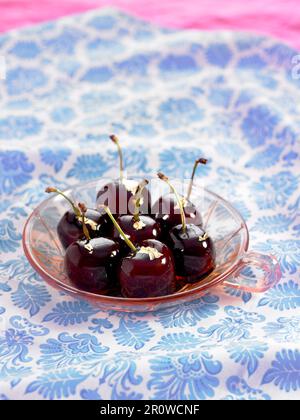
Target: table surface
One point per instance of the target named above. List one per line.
(172, 96)
(279, 18)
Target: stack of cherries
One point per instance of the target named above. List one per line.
(135, 254)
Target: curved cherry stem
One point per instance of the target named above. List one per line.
(83, 210)
(118, 227)
(137, 199)
(57, 191)
(197, 162)
(115, 140)
(179, 200)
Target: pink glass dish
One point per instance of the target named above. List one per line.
(223, 223)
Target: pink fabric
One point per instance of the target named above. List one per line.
(279, 18)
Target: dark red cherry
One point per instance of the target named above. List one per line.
(136, 230)
(91, 264)
(167, 209)
(149, 272)
(69, 228)
(119, 197)
(118, 194)
(193, 251)
(168, 212)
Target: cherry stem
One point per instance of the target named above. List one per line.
(115, 139)
(118, 227)
(179, 200)
(137, 199)
(197, 162)
(57, 191)
(83, 210)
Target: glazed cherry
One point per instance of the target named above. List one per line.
(136, 227)
(137, 231)
(193, 250)
(167, 209)
(118, 195)
(69, 228)
(148, 272)
(168, 213)
(91, 263)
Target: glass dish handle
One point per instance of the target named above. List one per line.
(256, 273)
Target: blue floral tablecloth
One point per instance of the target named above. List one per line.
(170, 96)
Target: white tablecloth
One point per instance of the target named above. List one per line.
(171, 97)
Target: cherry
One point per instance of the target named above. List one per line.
(118, 194)
(69, 228)
(148, 271)
(193, 249)
(145, 228)
(168, 212)
(137, 227)
(91, 263)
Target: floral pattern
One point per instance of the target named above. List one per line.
(21, 80)
(66, 351)
(285, 371)
(16, 170)
(259, 125)
(9, 237)
(272, 192)
(70, 83)
(20, 127)
(241, 391)
(191, 376)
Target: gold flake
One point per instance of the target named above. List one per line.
(203, 237)
(89, 248)
(153, 253)
(91, 223)
(139, 225)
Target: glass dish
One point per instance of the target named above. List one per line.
(223, 223)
